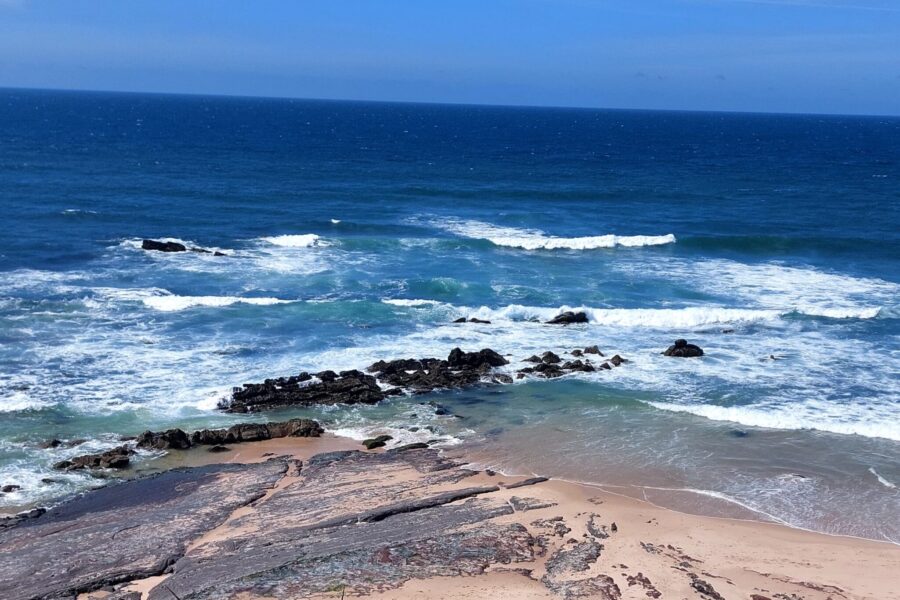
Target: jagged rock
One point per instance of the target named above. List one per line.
(10, 488)
(502, 378)
(475, 360)
(682, 349)
(460, 320)
(605, 366)
(577, 365)
(617, 360)
(568, 317)
(163, 246)
(593, 350)
(577, 352)
(550, 358)
(461, 369)
(350, 387)
(534, 358)
(376, 442)
(477, 320)
(116, 458)
(171, 439)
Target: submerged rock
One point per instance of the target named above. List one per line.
(568, 317)
(682, 349)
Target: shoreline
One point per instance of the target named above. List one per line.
(735, 557)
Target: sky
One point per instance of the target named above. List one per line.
(810, 56)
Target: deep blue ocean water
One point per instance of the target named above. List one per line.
(359, 231)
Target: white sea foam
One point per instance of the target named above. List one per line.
(411, 303)
(804, 290)
(335, 221)
(881, 479)
(809, 414)
(660, 318)
(533, 239)
(175, 303)
(18, 400)
(306, 240)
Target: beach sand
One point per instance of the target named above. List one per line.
(650, 552)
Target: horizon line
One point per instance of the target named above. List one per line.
(439, 103)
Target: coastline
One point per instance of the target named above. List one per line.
(651, 550)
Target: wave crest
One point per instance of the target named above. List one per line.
(533, 239)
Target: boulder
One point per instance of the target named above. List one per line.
(593, 350)
(550, 358)
(171, 439)
(376, 442)
(682, 349)
(568, 317)
(10, 488)
(617, 360)
(485, 357)
(163, 246)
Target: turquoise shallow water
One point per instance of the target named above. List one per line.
(357, 232)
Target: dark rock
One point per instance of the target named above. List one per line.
(51, 444)
(502, 378)
(460, 320)
(568, 317)
(171, 439)
(605, 366)
(534, 358)
(527, 482)
(705, 588)
(482, 321)
(351, 387)
(376, 442)
(10, 488)
(219, 449)
(163, 246)
(683, 350)
(617, 360)
(116, 458)
(593, 350)
(485, 357)
(217, 253)
(413, 446)
(577, 365)
(577, 352)
(550, 358)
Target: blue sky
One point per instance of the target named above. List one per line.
(828, 56)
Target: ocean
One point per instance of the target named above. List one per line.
(356, 231)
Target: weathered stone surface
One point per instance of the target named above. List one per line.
(376, 442)
(176, 439)
(124, 531)
(461, 369)
(682, 349)
(367, 521)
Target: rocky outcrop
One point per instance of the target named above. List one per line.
(159, 246)
(682, 349)
(176, 439)
(116, 458)
(568, 317)
(472, 320)
(461, 369)
(125, 531)
(327, 387)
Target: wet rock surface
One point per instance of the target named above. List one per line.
(682, 349)
(125, 531)
(328, 387)
(159, 246)
(116, 458)
(568, 317)
(460, 369)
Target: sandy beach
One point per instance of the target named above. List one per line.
(590, 543)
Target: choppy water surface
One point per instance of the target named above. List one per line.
(357, 232)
